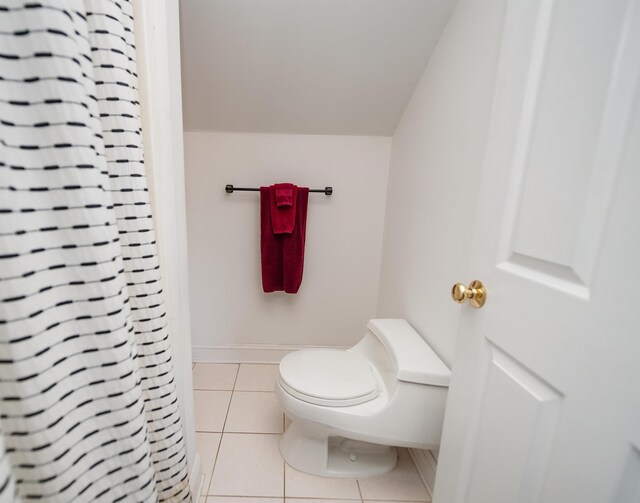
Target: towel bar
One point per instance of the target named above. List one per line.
(230, 189)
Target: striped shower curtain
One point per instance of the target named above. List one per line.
(88, 406)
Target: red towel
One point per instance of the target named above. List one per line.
(283, 207)
(285, 194)
(282, 254)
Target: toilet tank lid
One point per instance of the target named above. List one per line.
(413, 358)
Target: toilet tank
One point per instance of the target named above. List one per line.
(412, 357)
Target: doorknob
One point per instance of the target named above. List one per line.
(475, 293)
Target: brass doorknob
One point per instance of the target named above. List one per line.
(474, 293)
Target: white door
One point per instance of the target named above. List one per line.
(544, 404)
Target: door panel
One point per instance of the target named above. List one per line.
(580, 89)
(514, 432)
(544, 402)
(629, 491)
(563, 126)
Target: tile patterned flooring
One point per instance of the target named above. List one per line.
(238, 427)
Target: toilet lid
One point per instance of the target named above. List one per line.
(330, 377)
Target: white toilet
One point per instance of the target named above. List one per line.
(350, 408)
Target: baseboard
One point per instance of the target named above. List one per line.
(196, 479)
(426, 464)
(246, 353)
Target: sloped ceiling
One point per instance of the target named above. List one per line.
(304, 66)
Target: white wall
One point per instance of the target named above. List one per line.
(343, 248)
(436, 162)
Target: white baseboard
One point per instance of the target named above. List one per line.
(245, 353)
(196, 479)
(426, 464)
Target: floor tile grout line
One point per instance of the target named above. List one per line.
(211, 389)
(328, 499)
(231, 401)
(240, 432)
(359, 491)
(226, 416)
(253, 391)
(235, 381)
(215, 462)
(195, 388)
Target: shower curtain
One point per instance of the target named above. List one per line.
(88, 404)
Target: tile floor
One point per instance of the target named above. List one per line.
(238, 427)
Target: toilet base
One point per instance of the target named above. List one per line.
(311, 448)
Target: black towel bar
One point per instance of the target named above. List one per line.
(230, 189)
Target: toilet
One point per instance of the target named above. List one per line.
(350, 409)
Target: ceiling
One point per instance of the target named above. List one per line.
(304, 66)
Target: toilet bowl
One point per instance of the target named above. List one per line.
(350, 409)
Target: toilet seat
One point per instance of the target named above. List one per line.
(328, 377)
